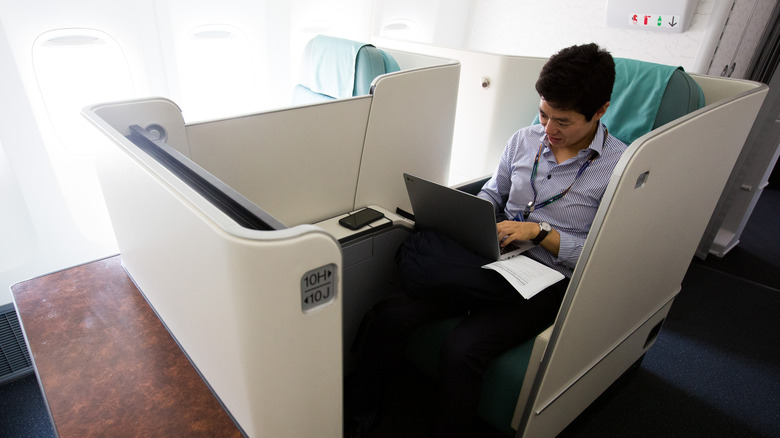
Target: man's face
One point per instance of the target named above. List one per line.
(568, 129)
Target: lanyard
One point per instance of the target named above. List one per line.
(532, 205)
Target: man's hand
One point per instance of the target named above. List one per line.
(511, 231)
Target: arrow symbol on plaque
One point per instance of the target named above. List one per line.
(672, 23)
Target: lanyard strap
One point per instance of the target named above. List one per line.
(532, 205)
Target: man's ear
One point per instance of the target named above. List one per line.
(600, 112)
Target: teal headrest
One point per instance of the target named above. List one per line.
(337, 68)
(647, 95)
(370, 63)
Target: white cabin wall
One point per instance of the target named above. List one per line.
(534, 28)
(53, 213)
(722, 32)
(541, 28)
(216, 57)
(439, 22)
(28, 189)
(718, 35)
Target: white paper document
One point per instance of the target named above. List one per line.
(528, 276)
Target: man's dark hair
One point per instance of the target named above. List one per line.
(578, 78)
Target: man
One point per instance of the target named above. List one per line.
(546, 188)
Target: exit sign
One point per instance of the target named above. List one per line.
(651, 15)
(655, 20)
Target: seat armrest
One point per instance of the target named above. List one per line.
(474, 186)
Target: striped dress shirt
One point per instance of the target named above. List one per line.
(572, 215)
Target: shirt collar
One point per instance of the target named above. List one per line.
(596, 145)
(600, 139)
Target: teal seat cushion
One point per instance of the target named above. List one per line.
(502, 383)
(502, 380)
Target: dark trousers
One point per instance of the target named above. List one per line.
(442, 279)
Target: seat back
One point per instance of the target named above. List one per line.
(648, 95)
(335, 68)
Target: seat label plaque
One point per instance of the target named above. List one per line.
(318, 287)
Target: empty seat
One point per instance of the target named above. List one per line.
(335, 68)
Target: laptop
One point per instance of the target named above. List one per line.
(464, 218)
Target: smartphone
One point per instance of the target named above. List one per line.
(361, 218)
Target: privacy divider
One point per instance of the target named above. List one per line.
(259, 309)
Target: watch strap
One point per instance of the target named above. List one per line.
(542, 234)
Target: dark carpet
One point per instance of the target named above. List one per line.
(23, 413)
(713, 372)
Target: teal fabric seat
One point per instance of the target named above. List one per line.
(645, 96)
(335, 68)
(648, 95)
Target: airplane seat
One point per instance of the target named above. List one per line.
(646, 96)
(335, 68)
(638, 106)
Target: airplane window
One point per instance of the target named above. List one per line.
(218, 74)
(74, 68)
(402, 29)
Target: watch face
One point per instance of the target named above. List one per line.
(544, 228)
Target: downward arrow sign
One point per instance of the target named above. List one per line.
(672, 23)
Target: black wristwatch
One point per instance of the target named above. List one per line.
(544, 229)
